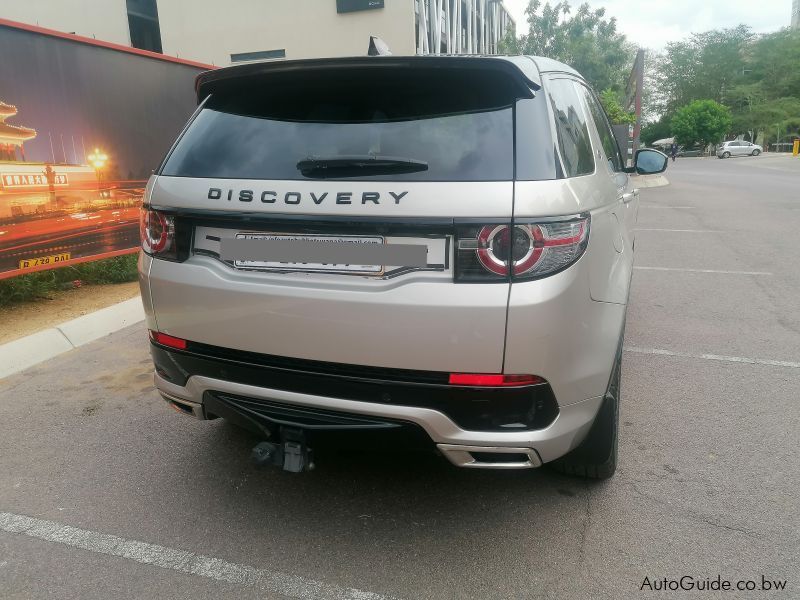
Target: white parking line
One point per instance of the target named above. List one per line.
(702, 271)
(681, 230)
(717, 357)
(271, 582)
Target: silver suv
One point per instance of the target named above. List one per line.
(397, 249)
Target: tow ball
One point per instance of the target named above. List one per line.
(291, 454)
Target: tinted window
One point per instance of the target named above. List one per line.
(573, 135)
(537, 157)
(462, 131)
(610, 148)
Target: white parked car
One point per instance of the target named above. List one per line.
(738, 148)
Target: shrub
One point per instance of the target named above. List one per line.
(25, 288)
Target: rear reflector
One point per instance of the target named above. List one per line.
(167, 340)
(493, 380)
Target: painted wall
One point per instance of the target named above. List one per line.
(304, 28)
(105, 20)
(211, 30)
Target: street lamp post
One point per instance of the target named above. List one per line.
(98, 160)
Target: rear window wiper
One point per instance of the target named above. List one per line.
(323, 167)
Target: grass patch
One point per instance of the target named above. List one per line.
(33, 286)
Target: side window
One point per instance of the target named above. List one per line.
(573, 134)
(610, 147)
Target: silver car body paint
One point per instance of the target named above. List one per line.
(564, 328)
(423, 198)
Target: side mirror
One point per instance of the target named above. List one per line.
(649, 162)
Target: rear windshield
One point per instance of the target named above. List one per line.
(442, 123)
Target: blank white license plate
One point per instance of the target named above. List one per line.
(302, 266)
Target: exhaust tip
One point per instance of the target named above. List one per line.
(491, 457)
(183, 406)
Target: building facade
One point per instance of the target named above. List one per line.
(221, 33)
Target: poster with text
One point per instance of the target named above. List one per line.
(82, 126)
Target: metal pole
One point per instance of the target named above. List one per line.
(423, 27)
(459, 37)
(637, 129)
(469, 26)
(438, 27)
(448, 29)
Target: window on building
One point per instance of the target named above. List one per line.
(143, 25)
(246, 56)
(573, 134)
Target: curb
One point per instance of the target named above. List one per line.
(649, 181)
(33, 349)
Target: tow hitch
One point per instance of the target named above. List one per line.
(291, 454)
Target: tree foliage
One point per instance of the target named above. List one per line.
(656, 130)
(701, 122)
(756, 76)
(614, 109)
(583, 39)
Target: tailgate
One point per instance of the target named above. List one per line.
(413, 318)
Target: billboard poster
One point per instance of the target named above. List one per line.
(82, 125)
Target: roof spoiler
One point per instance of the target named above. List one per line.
(521, 69)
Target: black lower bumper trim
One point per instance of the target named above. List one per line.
(520, 408)
(303, 417)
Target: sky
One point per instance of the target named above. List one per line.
(671, 20)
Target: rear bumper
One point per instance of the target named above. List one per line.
(197, 383)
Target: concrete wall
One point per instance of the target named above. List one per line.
(105, 20)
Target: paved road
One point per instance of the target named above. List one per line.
(708, 482)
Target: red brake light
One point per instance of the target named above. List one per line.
(168, 340)
(493, 380)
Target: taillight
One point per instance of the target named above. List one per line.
(528, 250)
(157, 232)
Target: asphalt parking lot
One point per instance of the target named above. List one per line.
(106, 493)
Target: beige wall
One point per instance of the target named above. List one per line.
(211, 30)
(105, 20)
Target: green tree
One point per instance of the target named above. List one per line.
(701, 122)
(756, 76)
(704, 66)
(611, 102)
(583, 39)
(657, 130)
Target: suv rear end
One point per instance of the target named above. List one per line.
(499, 348)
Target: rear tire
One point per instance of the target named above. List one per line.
(756, 152)
(726, 155)
(596, 456)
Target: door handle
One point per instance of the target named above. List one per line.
(628, 196)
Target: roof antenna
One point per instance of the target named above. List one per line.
(377, 47)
